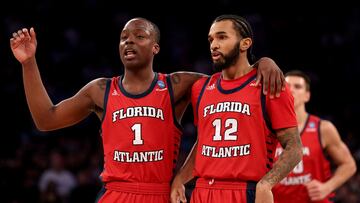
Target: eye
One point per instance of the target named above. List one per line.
(210, 39)
(140, 36)
(222, 37)
(123, 37)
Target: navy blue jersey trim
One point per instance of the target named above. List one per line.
(106, 97)
(172, 99)
(250, 192)
(200, 96)
(218, 84)
(137, 96)
(306, 124)
(265, 113)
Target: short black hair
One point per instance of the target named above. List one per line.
(301, 74)
(154, 27)
(242, 26)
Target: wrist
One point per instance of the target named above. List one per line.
(28, 62)
(263, 184)
(328, 187)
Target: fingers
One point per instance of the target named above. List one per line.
(22, 34)
(258, 78)
(178, 197)
(15, 39)
(265, 84)
(283, 81)
(272, 81)
(174, 199)
(182, 197)
(32, 34)
(26, 33)
(314, 195)
(178, 194)
(313, 190)
(278, 85)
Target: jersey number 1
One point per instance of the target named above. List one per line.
(136, 128)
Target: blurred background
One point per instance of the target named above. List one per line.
(78, 42)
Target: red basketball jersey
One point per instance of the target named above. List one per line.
(140, 133)
(235, 123)
(314, 165)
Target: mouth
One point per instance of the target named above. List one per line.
(129, 54)
(216, 55)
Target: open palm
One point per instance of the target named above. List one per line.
(23, 44)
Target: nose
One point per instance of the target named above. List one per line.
(129, 40)
(214, 45)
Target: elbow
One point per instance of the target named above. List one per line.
(43, 126)
(353, 167)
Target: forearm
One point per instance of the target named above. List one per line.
(342, 173)
(288, 159)
(185, 173)
(37, 98)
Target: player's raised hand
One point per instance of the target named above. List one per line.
(23, 44)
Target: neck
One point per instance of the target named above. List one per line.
(138, 76)
(240, 68)
(236, 71)
(301, 116)
(137, 82)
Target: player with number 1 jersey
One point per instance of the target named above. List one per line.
(141, 137)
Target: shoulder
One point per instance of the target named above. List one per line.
(182, 77)
(200, 82)
(327, 127)
(96, 87)
(99, 83)
(329, 133)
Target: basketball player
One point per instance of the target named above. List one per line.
(311, 180)
(238, 126)
(139, 120)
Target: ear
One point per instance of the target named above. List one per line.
(245, 43)
(156, 49)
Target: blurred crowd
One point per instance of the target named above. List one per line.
(78, 42)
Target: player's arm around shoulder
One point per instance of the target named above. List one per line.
(182, 82)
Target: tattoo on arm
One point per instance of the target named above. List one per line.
(102, 84)
(291, 142)
(175, 78)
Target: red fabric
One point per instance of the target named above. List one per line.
(234, 141)
(140, 138)
(214, 191)
(112, 196)
(314, 165)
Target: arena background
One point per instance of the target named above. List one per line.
(78, 42)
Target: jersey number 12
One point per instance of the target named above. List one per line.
(231, 125)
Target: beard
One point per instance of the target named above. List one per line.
(227, 60)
